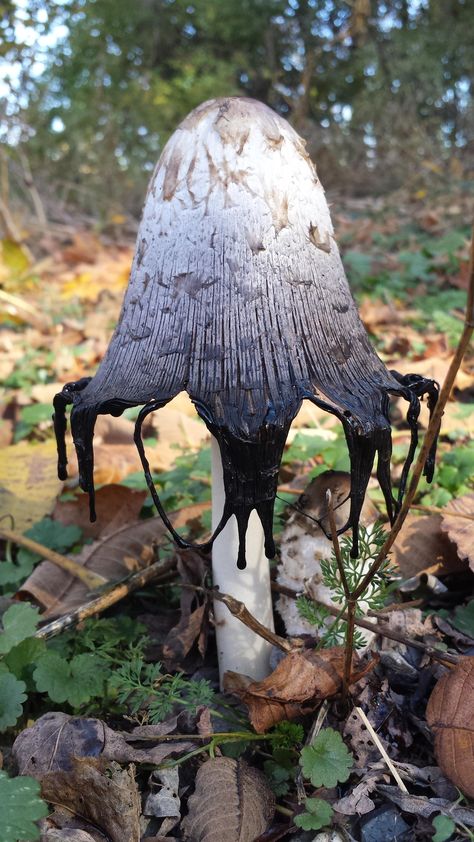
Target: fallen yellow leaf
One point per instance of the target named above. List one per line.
(28, 482)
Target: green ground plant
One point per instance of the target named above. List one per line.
(333, 631)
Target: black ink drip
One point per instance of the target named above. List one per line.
(251, 466)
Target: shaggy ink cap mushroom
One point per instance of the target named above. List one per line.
(238, 296)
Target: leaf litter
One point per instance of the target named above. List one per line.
(101, 750)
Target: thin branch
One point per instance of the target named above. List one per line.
(108, 598)
(91, 579)
(336, 546)
(431, 433)
(350, 601)
(376, 628)
(438, 510)
(238, 610)
(380, 747)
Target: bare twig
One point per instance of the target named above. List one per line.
(376, 628)
(380, 747)
(437, 510)
(91, 579)
(350, 601)
(336, 546)
(238, 609)
(431, 433)
(108, 598)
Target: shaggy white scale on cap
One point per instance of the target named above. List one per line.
(237, 158)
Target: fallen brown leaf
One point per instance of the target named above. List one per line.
(460, 530)
(232, 802)
(301, 680)
(100, 792)
(421, 544)
(56, 739)
(420, 805)
(375, 312)
(450, 715)
(66, 834)
(116, 556)
(116, 506)
(193, 623)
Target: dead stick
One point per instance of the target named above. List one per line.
(105, 600)
(91, 579)
(336, 546)
(381, 749)
(350, 601)
(437, 510)
(431, 433)
(434, 510)
(238, 610)
(373, 627)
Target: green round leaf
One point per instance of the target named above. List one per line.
(318, 814)
(75, 681)
(327, 761)
(444, 827)
(20, 808)
(19, 622)
(12, 697)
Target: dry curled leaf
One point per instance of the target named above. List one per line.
(421, 545)
(357, 802)
(193, 623)
(461, 530)
(232, 801)
(300, 681)
(99, 792)
(450, 715)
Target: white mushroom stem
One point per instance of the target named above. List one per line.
(238, 648)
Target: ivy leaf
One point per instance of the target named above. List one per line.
(20, 808)
(19, 622)
(327, 760)
(444, 827)
(318, 814)
(12, 697)
(75, 681)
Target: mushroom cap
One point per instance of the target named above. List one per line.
(237, 292)
(238, 296)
